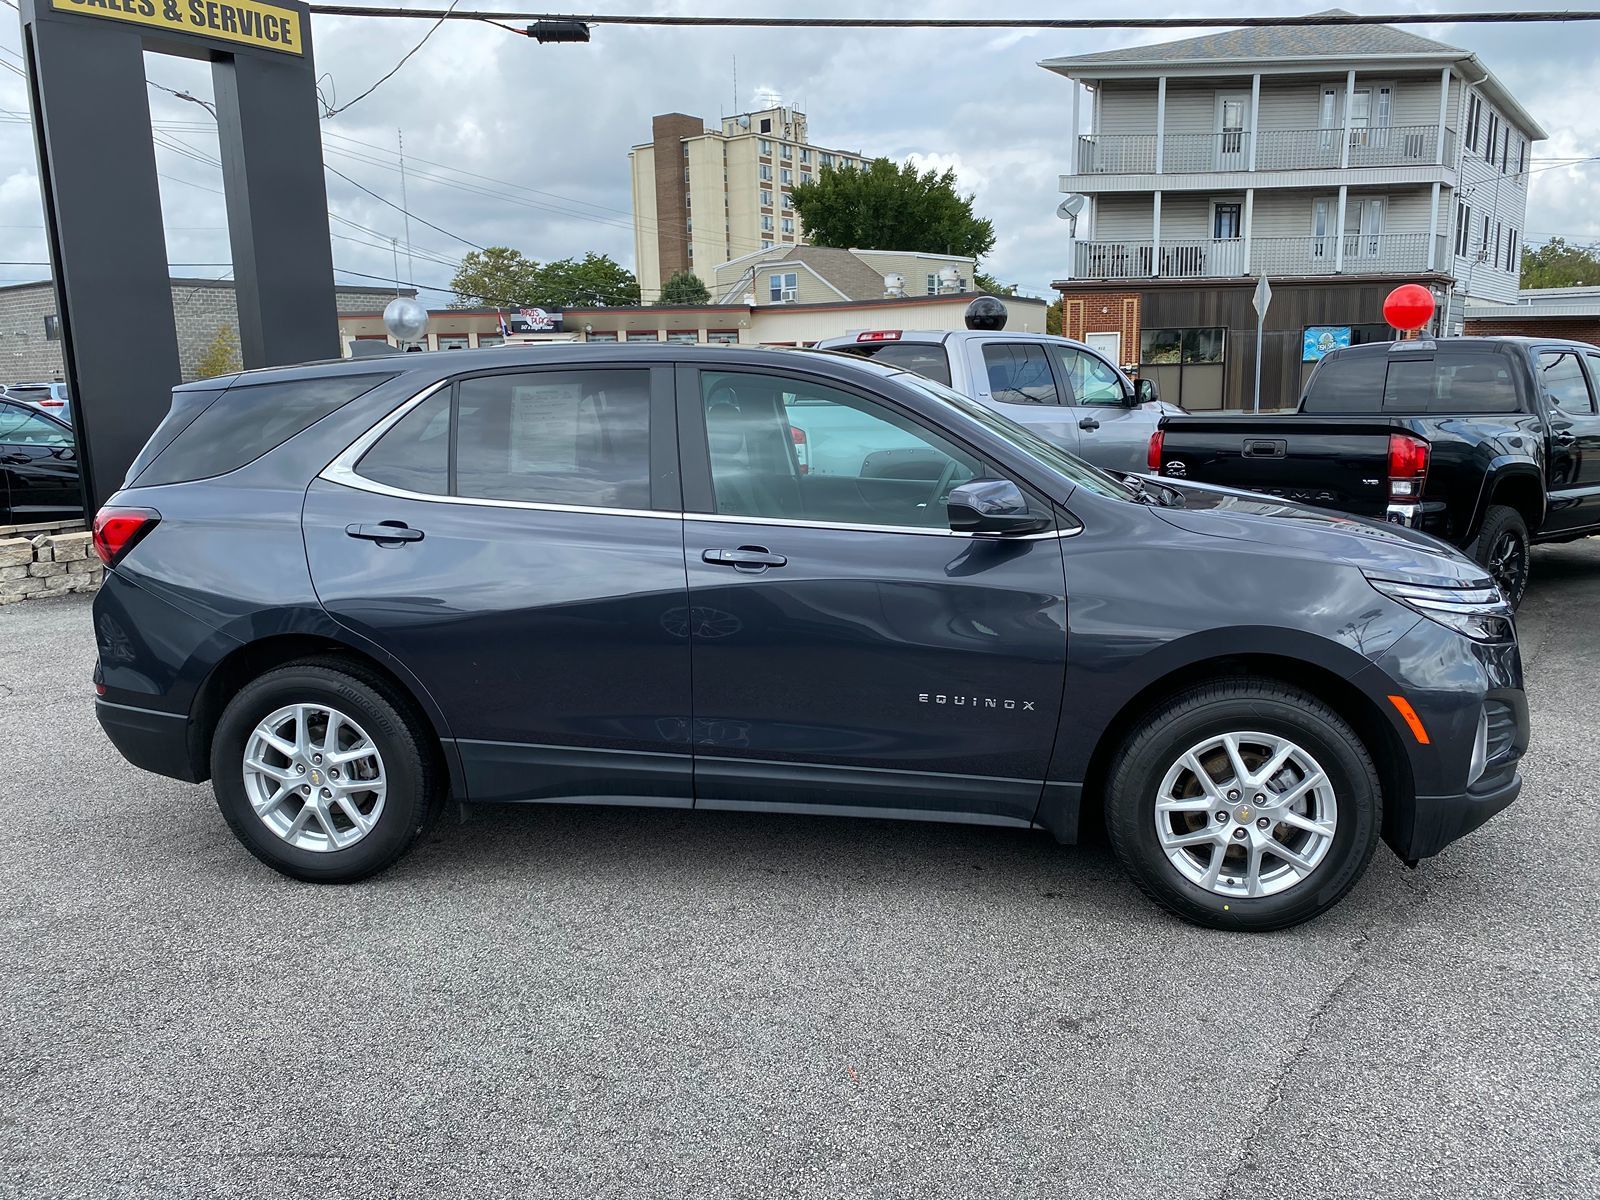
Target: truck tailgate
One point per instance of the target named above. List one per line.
(1330, 462)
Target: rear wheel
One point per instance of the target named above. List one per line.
(1244, 804)
(1502, 549)
(322, 773)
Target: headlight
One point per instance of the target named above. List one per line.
(1481, 613)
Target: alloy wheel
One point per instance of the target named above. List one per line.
(314, 777)
(1246, 814)
(1508, 564)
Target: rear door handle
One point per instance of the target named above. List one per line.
(1564, 439)
(745, 558)
(1088, 423)
(385, 531)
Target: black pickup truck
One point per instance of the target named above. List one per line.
(1492, 444)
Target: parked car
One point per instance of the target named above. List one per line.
(1063, 390)
(1492, 444)
(598, 574)
(53, 398)
(39, 471)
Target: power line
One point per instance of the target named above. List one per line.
(334, 112)
(653, 19)
(453, 236)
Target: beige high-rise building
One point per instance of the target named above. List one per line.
(704, 196)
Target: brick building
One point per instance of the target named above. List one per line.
(1572, 312)
(30, 335)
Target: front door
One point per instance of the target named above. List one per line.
(1113, 433)
(1108, 344)
(515, 541)
(849, 650)
(1227, 238)
(1232, 134)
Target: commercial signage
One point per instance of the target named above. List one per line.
(1322, 338)
(242, 22)
(535, 320)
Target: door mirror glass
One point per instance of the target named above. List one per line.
(1145, 392)
(994, 506)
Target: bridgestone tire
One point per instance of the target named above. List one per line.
(415, 788)
(1231, 705)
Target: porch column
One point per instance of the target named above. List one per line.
(1444, 115)
(1249, 218)
(1338, 244)
(1433, 229)
(1155, 235)
(1077, 90)
(1161, 126)
(1255, 127)
(1344, 151)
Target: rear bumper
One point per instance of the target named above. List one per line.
(152, 741)
(1439, 820)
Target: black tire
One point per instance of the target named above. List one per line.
(1501, 548)
(1236, 704)
(415, 786)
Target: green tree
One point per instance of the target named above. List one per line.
(221, 357)
(882, 206)
(685, 288)
(497, 277)
(1052, 319)
(1557, 263)
(984, 282)
(593, 281)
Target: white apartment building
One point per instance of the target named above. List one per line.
(1341, 159)
(704, 196)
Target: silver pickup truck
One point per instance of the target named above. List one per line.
(1062, 390)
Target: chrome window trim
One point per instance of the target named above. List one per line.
(342, 471)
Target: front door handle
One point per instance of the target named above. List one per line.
(385, 531)
(1563, 438)
(745, 558)
(1088, 423)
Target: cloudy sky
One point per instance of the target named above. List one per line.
(509, 142)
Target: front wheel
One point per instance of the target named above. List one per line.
(1244, 804)
(1502, 549)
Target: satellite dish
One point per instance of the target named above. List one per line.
(1072, 206)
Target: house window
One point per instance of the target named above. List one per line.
(766, 146)
(786, 151)
(488, 341)
(825, 160)
(782, 288)
(1522, 159)
(682, 337)
(766, 243)
(643, 335)
(805, 155)
(1463, 228)
(722, 337)
(933, 285)
(1488, 144)
(1483, 242)
(1227, 221)
(786, 176)
(788, 225)
(766, 222)
(766, 198)
(1499, 245)
(601, 335)
(1474, 119)
(1505, 149)
(805, 177)
(766, 127)
(766, 172)
(788, 200)
(52, 327)
(687, 201)
(1186, 364)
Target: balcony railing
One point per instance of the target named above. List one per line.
(1275, 150)
(1220, 258)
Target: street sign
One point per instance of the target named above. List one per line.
(1263, 297)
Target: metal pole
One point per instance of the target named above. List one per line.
(405, 205)
(1261, 322)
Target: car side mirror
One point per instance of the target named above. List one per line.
(1145, 392)
(992, 506)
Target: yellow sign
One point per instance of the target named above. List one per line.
(245, 22)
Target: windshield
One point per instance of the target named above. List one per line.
(1064, 463)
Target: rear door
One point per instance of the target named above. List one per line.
(849, 649)
(1017, 378)
(39, 459)
(1574, 463)
(515, 538)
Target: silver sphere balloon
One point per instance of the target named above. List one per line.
(405, 319)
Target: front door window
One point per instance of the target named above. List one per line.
(1227, 221)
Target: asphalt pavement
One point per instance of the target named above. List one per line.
(571, 1002)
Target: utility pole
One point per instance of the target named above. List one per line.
(405, 206)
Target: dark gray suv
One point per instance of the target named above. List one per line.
(347, 592)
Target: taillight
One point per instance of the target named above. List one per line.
(802, 450)
(1408, 466)
(879, 335)
(52, 404)
(118, 530)
(1153, 457)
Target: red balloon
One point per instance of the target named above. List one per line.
(1408, 307)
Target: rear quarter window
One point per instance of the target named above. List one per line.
(929, 361)
(243, 423)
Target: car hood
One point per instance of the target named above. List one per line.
(1381, 550)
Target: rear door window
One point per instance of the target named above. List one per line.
(1561, 376)
(1450, 382)
(1019, 373)
(243, 423)
(20, 426)
(920, 358)
(568, 438)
